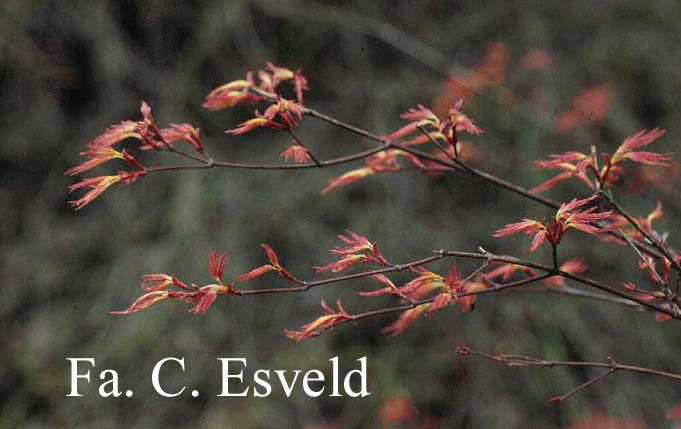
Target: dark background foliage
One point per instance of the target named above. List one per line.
(69, 69)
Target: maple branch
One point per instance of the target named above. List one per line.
(211, 163)
(611, 365)
(388, 310)
(656, 243)
(456, 163)
(589, 382)
(484, 255)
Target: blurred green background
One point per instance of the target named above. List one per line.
(70, 69)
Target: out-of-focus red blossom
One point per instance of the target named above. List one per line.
(674, 413)
(493, 68)
(357, 249)
(489, 73)
(322, 323)
(568, 216)
(158, 288)
(579, 165)
(537, 59)
(298, 152)
(274, 265)
(573, 266)
(398, 409)
(597, 419)
(591, 104)
(649, 176)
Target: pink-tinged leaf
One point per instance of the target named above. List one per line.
(650, 158)
(559, 160)
(419, 113)
(585, 227)
(342, 265)
(216, 264)
(97, 186)
(288, 276)
(453, 279)
(347, 178)
(354, 243)
(204, 303)
(378, 292)
(462, 122)
(322, 323)
(405, 320)
(255, 273)
(575, 204)
(515, 228)
(505, 271)
(555, 180)
(299, 153)
(185, 132)
(538, 240)
(404, 131)
(440, 301)
(300, 84)
(115, 134)
(143, 302)
(391, 289)
(271, 255)
(640, 139)
(155, 282)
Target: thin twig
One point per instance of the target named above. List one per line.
(611, 365)
(656, 243)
